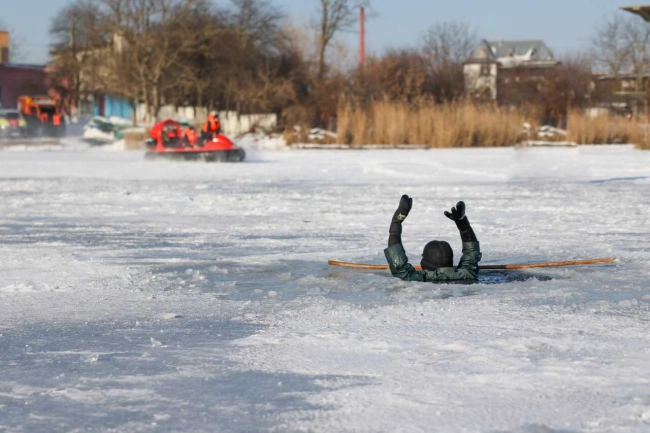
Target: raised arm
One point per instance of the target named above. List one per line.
(395, 255)
(395, 231)
(471, 248)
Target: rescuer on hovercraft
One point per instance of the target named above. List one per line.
(211, 128)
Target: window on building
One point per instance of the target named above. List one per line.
(486, 70)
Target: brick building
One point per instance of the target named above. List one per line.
(17, 79)
(497, 66)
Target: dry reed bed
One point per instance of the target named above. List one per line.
(459, 124)
(465, 124)
(604, 129)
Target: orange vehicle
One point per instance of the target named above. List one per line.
(168, 141)
(43, 115)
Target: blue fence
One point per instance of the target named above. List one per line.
(111, 106)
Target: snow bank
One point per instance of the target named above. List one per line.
(261, 141)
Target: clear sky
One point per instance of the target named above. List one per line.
(565, 25)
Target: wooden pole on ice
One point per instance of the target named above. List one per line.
(488, 267)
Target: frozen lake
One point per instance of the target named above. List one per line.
(142, 296)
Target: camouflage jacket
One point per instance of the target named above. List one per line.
(467, 269)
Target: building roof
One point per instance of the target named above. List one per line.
(535, 49)
(483, 53)
(624, 75)
(22, 66)
(514, 53)
(642, 11)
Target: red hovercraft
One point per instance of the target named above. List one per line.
(168, 141)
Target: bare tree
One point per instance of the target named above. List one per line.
(78, 25)
(636, 37)
(564, 87)
(260, 21)
(260, 79)
(181, 52)
(609, 48)
(201, 60)
(149, 38)
(448, 45)
(335, 16)
(396, 75)
(78, 31)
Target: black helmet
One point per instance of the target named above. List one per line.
(437, 254)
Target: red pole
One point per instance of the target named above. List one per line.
(362, 44)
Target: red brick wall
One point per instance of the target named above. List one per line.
(17, 80)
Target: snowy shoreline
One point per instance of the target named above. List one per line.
(272, 143)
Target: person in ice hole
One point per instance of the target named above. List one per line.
(438, 257)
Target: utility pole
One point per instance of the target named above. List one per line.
(362, 40)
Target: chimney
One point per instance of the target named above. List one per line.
(4, 47)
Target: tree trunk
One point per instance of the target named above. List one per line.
(147, 101)
(134, 111)
(323, 39)
(156, 100)
(199, 103)
(321, 60)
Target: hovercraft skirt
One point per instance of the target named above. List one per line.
(233, 155)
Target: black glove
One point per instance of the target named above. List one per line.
(457, 213)
(405, 205)
(458, 216)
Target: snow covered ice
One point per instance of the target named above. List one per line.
(152, 296)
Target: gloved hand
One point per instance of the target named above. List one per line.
(405, 205)
(457, 215)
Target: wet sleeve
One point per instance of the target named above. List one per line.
(471, 258)
(399, 265)
(395, 233)
(394, 239)
(466, 232)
